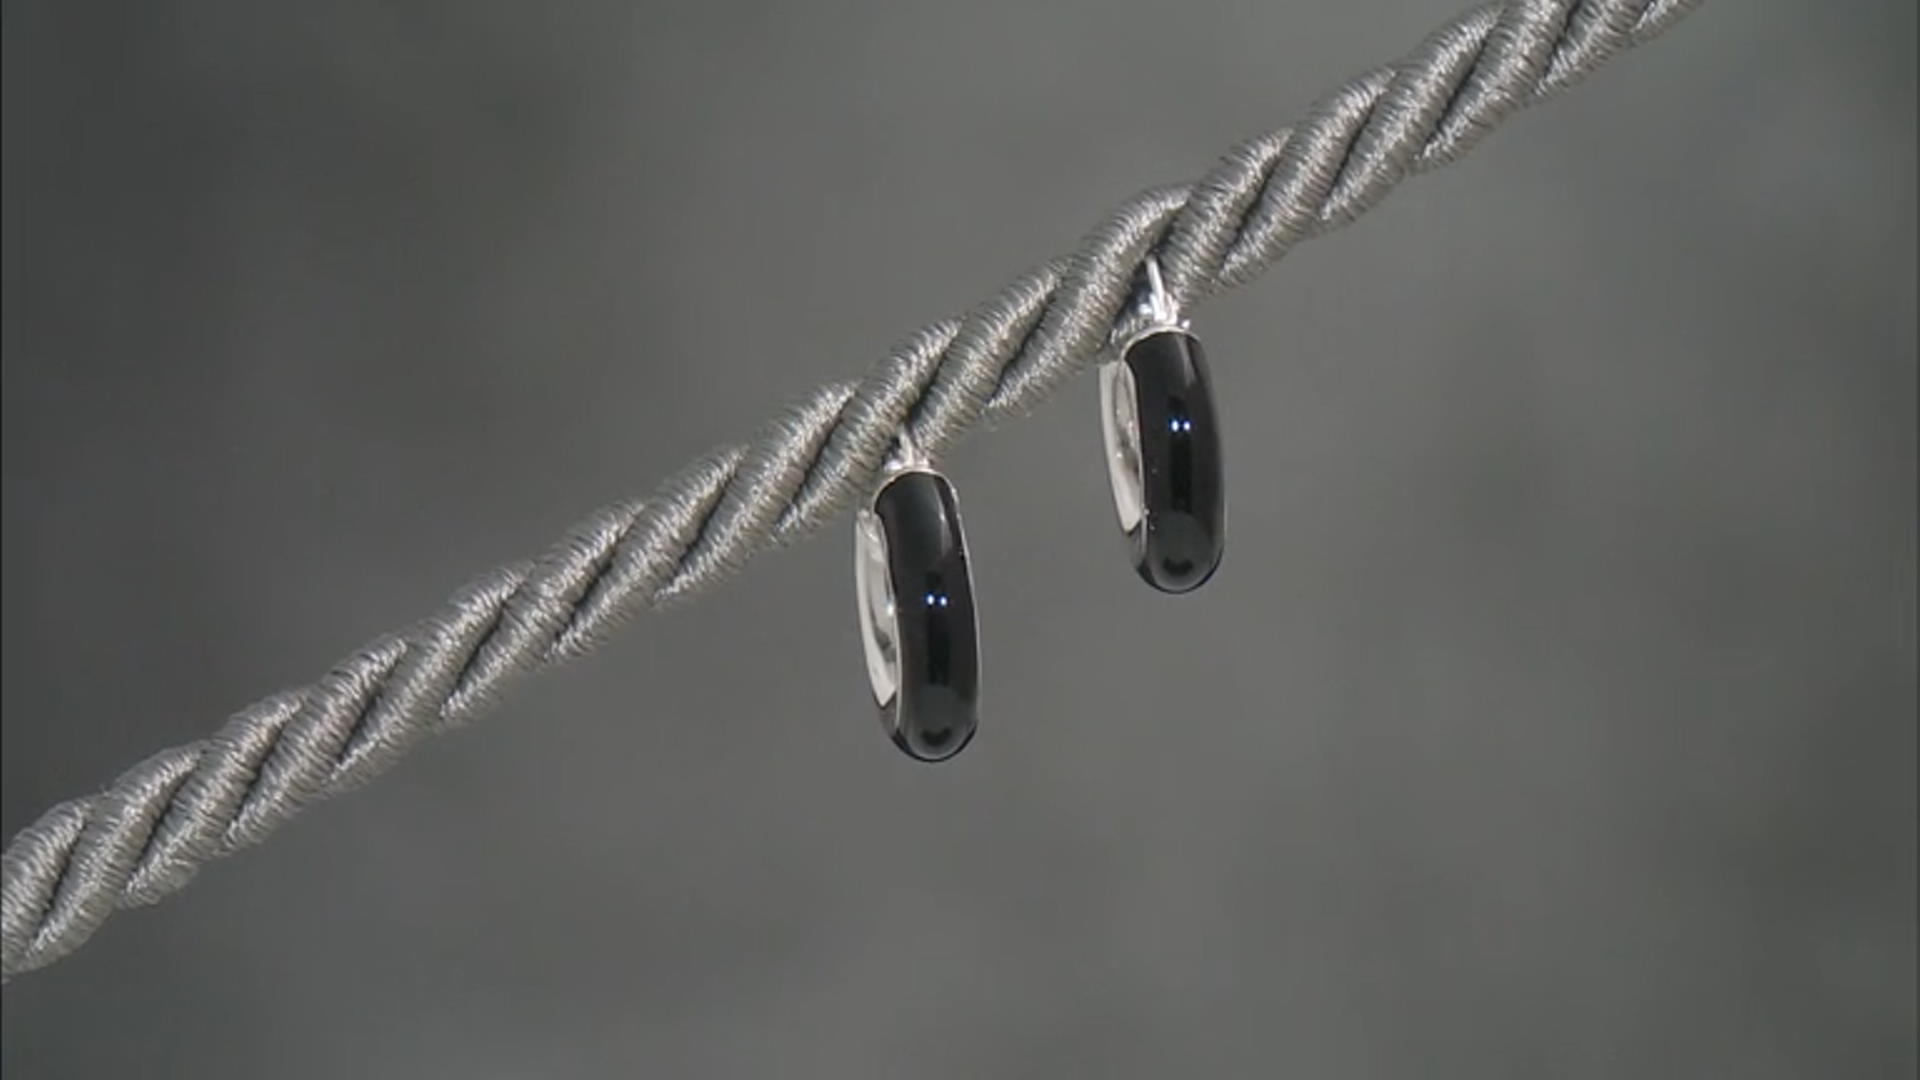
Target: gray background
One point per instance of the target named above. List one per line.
(1552, 715)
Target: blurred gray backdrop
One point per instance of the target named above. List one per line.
(1553, 714)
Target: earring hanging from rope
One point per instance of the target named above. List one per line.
(917, 623)
(1162, 441)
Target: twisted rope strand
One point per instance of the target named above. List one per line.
(145, 835)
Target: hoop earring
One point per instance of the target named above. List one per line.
(917, 623)
(1163, 445)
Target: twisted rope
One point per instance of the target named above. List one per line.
(145, 835)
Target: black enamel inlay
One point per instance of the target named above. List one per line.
(1178, 544)
(933, 714)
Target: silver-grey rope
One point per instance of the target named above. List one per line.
(146, 834)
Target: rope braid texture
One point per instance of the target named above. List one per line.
(145, 835)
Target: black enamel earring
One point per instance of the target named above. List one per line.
(1163, 445)
(916, 609)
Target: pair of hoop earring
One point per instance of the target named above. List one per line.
(915, 589)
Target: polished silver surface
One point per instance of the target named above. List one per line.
(1120, 430)
(1153, 311)
(873, 584)
(874, 587)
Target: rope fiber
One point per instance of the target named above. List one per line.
(146, 834)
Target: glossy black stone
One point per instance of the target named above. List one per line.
(1178, 544)
(933, 714)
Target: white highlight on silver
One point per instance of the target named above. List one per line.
(1120, 430)
(873, 576)
(873, 583)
